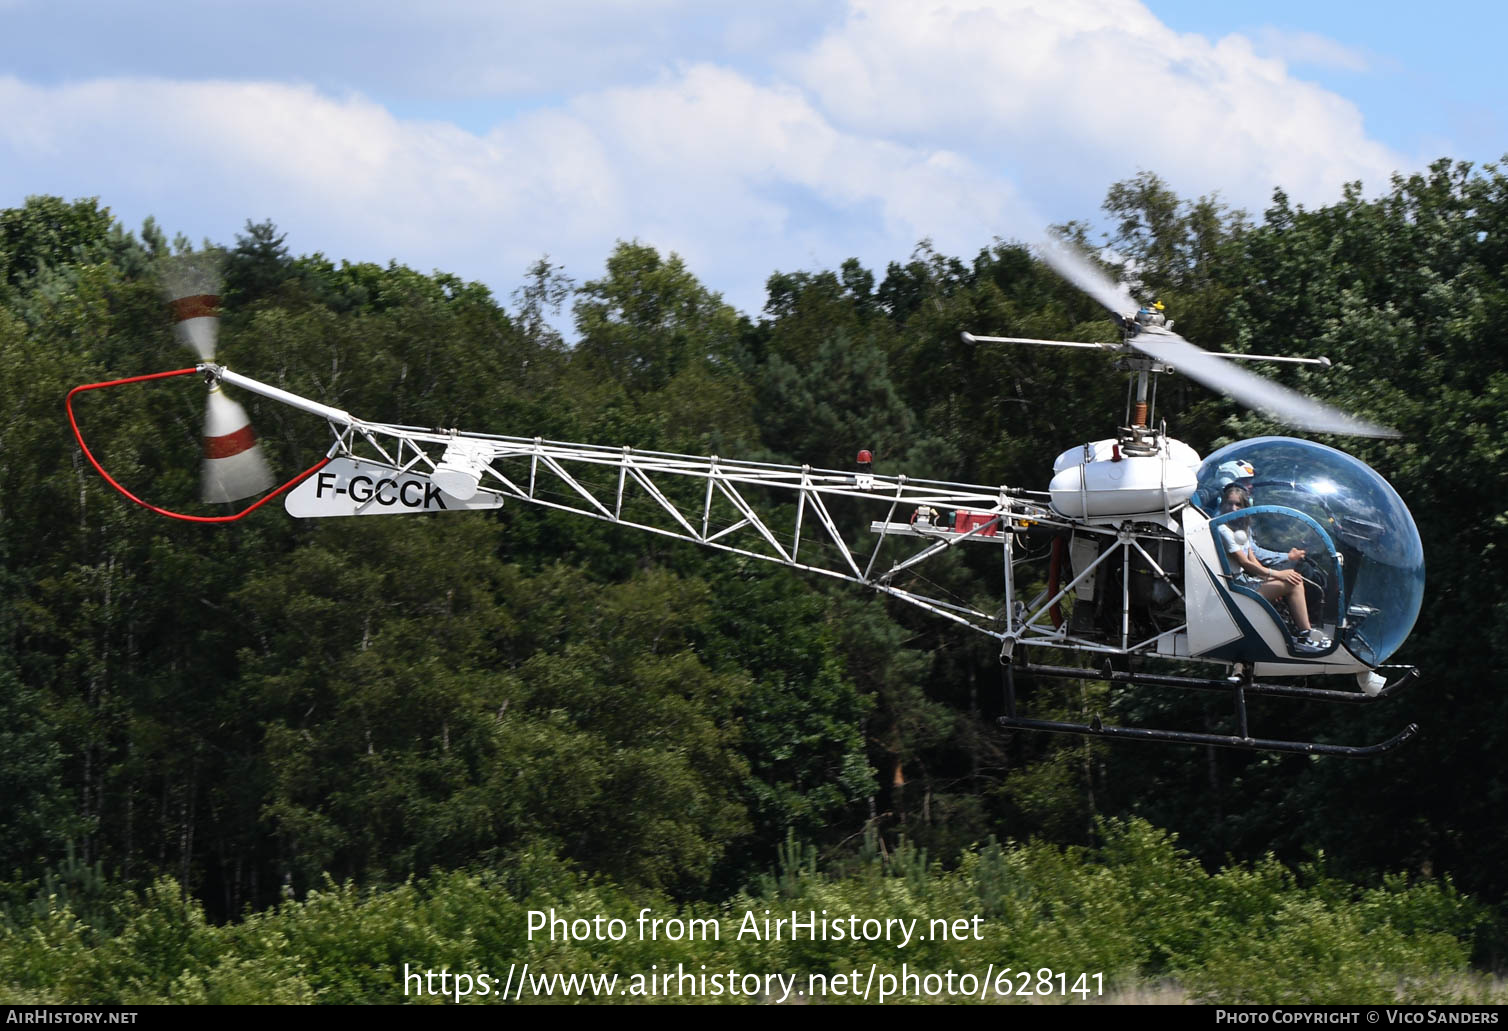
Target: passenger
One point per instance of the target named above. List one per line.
(1241, 474)
(1260, 567)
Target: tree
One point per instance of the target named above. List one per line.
(258, 264)
(649, 317)
(48, 231)
(544, 291)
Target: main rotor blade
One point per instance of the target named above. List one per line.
(970, 338)
(1073, 266)
(1287, 406)
(1228, 356)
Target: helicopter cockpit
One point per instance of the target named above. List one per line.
(1364, 560)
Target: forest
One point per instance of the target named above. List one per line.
(335, 734)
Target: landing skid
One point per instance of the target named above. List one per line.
(1239, 686)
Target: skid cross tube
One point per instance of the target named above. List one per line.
(1247, 744)
(1228, 684)
(1237, 686)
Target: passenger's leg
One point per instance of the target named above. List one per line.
(1272, 590)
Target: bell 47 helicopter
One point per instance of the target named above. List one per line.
(1271, 558)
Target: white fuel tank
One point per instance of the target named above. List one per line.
(1097, 480)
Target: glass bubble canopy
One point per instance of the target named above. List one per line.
(1370, 529)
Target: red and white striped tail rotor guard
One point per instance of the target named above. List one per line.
(233, 463)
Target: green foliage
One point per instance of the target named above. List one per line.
(1137, 910)
(342, 714)
(648, 319)
(32, 809)
(47, 232)
(257, 265)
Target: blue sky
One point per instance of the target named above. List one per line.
(1421, 74)
(474, 137)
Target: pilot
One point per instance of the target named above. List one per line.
(1259, 566)
(1239, 472)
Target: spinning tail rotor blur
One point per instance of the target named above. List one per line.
(234, 466)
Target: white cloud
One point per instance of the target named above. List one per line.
(956, 121)
(704, 163)
(1310, 48)
(427, 56)
(1093, 89)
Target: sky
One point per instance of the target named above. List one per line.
(475, 137)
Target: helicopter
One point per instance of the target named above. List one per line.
(1152, 546)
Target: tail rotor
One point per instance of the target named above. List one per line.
(234, 466)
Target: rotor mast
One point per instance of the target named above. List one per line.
(1137, 433)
